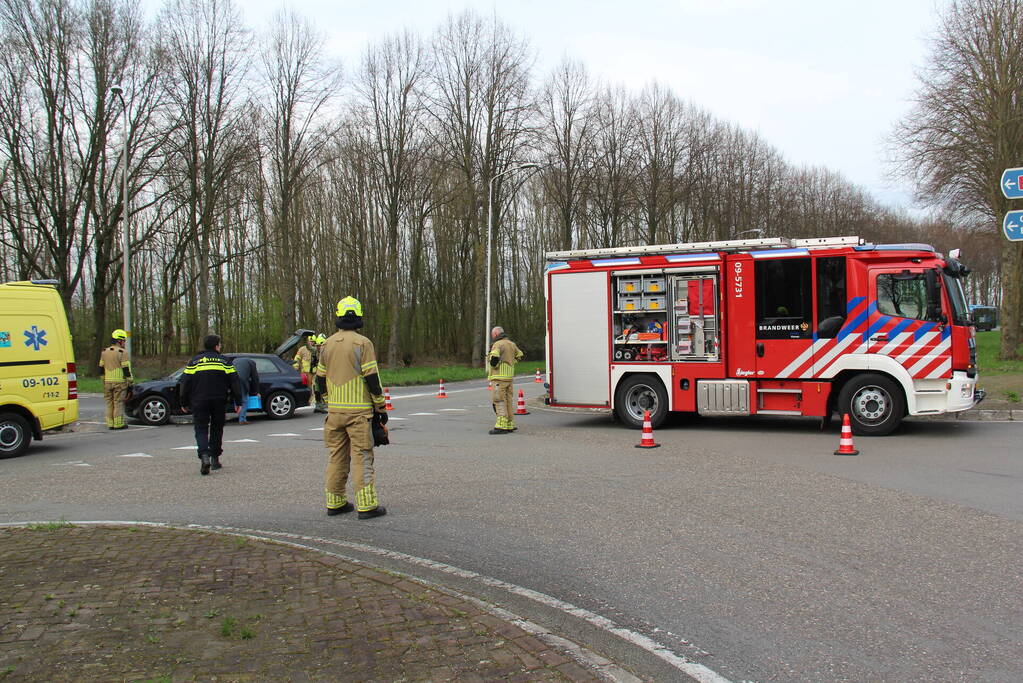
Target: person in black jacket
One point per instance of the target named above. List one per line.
(248, 378)
(205, 386)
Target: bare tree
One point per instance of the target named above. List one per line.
(481, 108)
(206, 44)
(53, 125)
(967, 126)
(300, 85)
(390, 84)
(566, 106)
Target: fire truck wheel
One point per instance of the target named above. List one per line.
(637, 394)
(875, 404)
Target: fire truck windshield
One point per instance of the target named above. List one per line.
(960, 312)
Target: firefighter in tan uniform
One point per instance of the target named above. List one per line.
(304, 360)
(347, 374)
(116, 378)
(501, 370)
(319, 399)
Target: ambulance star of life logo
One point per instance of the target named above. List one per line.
(35, 338)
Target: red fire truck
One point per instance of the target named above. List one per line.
(761, 327)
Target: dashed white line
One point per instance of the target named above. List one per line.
(284, 434)
(135, 455)
(186, 448)
(434, 414)
(452, 410)
(242, 441)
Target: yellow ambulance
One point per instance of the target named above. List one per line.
(38, 384)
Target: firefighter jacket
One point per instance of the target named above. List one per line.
(303, 360)
(348, 368)
(503, 356)
(115, 364)
(209, 377)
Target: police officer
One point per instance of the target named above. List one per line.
(347, 374)
(319, 398)
(116, 378)
(207, 383)
(502, 358)
(304, 359)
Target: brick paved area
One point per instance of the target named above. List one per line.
(95, 603)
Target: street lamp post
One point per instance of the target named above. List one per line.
(118, 92)
(490, 239)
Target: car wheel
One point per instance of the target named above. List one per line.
(638, 394)
(875, 404)
(154, 410)
(280, 405)
(15, 435)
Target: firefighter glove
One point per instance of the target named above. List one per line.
(380, 437)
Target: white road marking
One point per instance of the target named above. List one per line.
(135, 455)
(186, 448)
(82, 464)
(71, 462)
(698, 671)
(434, 414)
(392, 419)
(242, 441)
(284, 434)
(316, 429)
(452, 410)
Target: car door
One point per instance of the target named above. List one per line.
(783, 290)
(270, 375)
(909, 327)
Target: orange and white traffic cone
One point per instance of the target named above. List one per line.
(520, 408)
(845, 444)
(648, 433)
(387, 399)
(538, 379)
(440, 392)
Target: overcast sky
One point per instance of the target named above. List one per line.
(821, 80)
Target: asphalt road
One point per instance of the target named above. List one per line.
(743, 544)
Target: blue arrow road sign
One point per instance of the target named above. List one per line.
(1012, 226)
(1012, 183)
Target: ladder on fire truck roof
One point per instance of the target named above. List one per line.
(722, 245)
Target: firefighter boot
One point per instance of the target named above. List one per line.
(347, 507)
(215, 462)
(378, 511)
(501, 427)
(204, 464)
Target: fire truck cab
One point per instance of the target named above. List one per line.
(761, 327)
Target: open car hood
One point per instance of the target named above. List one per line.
(291, 342)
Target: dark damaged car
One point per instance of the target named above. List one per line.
(281, 389)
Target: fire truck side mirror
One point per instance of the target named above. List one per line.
(934, 297)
